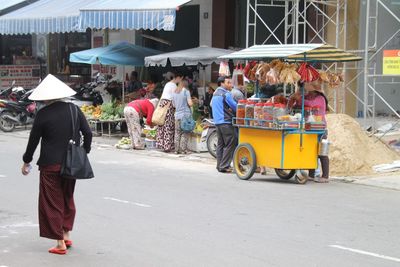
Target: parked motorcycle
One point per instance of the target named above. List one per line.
(209, 135)
(12, 93)
(17, 113)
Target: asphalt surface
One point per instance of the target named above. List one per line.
(160, 211)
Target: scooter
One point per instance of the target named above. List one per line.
(18, 113)
(209, 135)
(12, 93)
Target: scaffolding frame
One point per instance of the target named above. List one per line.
(299, 27)
(370, 76)
(328, 13)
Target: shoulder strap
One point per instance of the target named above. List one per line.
(74, 117)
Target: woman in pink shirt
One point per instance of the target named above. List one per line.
(316, 98)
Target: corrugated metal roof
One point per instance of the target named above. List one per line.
(295, 52)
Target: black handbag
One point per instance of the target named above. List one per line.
(76, 163)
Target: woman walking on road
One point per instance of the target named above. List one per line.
(165, 133)
(182, 103)
(53, 127)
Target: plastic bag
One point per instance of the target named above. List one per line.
(224, 69)
(238, 77)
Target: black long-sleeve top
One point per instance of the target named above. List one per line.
(53, 125)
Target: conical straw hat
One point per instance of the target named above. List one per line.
(51, 88)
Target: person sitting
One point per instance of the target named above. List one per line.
(149, 90)
(316, 98)
(134, 83)
(134, 113)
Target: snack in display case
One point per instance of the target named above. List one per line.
(250, 113)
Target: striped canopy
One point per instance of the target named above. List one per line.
(295, 52)
(51, 16)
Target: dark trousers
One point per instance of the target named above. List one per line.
(227, 142)
(325, 167)
(56, 203)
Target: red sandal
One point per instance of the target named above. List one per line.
(58, 251)
(68, 243)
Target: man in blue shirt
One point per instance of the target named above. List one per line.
(223, 110)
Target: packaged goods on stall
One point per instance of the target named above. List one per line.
(259, 115)
(289, 74)
(308, 73)
(241, 112)
(250, 113)
(224, 69)
(268, 114)
(279, 111)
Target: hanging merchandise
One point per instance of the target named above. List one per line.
(289, 74)
(224, 69)
(252, 75)
(333, 79)
(247, 69)
(237, 76)
(308, 73)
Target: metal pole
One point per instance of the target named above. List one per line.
(248, 23)
(296, 21)
(286, 20)
(123, 84)
(366, 71)
(343, 109)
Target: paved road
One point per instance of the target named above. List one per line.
(152, 211)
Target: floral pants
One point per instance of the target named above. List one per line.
(134, 129)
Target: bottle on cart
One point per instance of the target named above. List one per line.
(258, 114)
(268, 113)
(250, 113)
(241, 112)
(279, 111)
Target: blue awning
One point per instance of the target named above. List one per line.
(122, 53)
(51, 16)
(133, 14)
(44, 16)
(9, 3)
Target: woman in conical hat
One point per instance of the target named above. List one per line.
(53, 128)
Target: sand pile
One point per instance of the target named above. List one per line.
(351, 151)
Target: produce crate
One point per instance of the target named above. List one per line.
(195, 143)
(150, 144)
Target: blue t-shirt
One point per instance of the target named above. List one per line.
(180, 102)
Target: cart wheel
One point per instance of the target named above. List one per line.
(244, 161)
(301, 177)
(285, 174)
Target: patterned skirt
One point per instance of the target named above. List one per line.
(56, 203)
(165, 134)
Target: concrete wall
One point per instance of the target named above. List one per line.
(205, 23)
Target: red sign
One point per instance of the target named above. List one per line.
(26, 76)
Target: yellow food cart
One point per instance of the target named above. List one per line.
(287, 149)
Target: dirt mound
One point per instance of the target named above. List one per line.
(352, 152)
